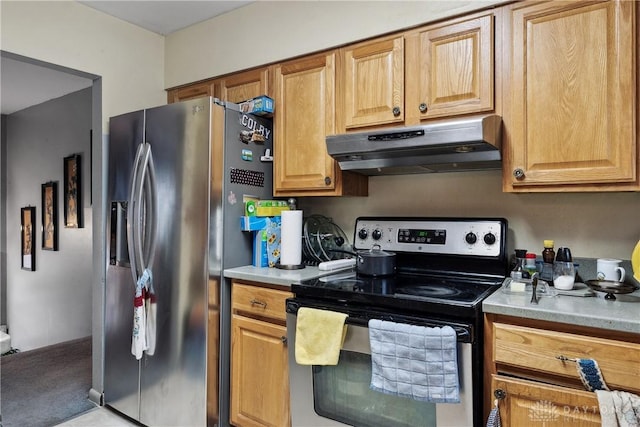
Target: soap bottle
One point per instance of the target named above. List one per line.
(548, 257)
(519, 271)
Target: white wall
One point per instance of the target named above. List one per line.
(593, 225)
(269, 31)
(53, 303)
(130, 60)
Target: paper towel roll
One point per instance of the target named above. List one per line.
(291, 238)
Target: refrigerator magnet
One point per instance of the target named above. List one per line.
(267, 157)
(247, 155)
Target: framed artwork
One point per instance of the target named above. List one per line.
(50, 216)
(28, 238)
(72, 192)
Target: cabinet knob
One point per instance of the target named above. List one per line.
(258, 303)
(327, 180)
(422, 107)
(499, 394)
(518, 174)
(396, 111)
(283, 339)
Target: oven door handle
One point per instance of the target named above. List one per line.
(357, 317)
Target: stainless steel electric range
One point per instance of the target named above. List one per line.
(445, 267)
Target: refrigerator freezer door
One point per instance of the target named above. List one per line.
(121, 369)
(173, 380)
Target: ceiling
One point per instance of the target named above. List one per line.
(165, 17)
(24, 84)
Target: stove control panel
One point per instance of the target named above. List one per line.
(456, 236)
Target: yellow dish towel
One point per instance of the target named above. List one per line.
(319, 336)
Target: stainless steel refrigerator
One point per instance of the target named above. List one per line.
(178, 176)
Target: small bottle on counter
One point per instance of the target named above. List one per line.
(530, 263)
(548, 257)
(519, 271)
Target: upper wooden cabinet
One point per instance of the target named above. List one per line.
(435, 71)
(570, 96)
(450, 69)
(304, 94)
(236, 87)
(373, 82)
(242, 86)
(194, 90)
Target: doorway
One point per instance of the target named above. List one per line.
(49, 113)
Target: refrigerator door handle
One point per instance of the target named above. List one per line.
(131, 215)
(145, 211)
(151, 210)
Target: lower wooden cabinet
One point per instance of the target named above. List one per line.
(529, 403)
(259, 357)
(533, 372)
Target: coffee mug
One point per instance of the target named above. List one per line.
(609, 269)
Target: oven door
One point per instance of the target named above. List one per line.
(326, 396)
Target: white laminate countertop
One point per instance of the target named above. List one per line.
(274, 276)
(623, 314)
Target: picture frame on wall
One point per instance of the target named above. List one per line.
(50, 216)
(73, 191)
(28, 238)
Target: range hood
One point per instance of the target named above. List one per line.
(444, 146)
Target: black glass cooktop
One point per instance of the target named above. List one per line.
(415, 292)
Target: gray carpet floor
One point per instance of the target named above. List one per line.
(45, 386)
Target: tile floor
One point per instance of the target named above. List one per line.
(98, 417)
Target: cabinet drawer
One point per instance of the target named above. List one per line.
(265, 302)
(538, 350)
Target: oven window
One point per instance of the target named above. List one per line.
(342, 393)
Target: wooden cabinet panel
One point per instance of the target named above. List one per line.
(242, 86)
(570, 105)
(531, 348)
(450, 69)
(259, 301)
(259, 374)
(213, 359)
(305, 99)
(373, 82)
(528, 403)
(305, 103)
(305, 115)
(196, 90)
(521, 358)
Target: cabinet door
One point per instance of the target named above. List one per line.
(196, 90)
(305, 104)
(242, 86)
(570, 91)
(259, 374)
(372, 82)
(450, 69)
(527, 403)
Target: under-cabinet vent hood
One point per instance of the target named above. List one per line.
(444, 146)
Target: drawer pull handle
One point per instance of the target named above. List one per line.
(259, 303)
(566, 359)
